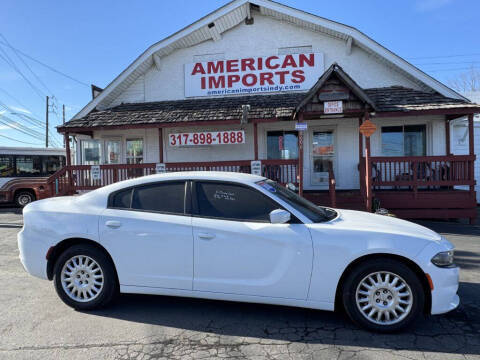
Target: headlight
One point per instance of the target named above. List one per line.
(443, 259)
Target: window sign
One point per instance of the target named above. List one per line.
(256, 167)
(333, 107)
(160, 168)
(301, 126)
(95, 172)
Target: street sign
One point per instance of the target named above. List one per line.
(256, 167)
(367, 128)
(95, 172)
(301, 126)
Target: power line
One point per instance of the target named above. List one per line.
(26, 65)
(48, 66)
(20, 141)
(452, 69)
(443, 56)
(448, 63)
(10, 62)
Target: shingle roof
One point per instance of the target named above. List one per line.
(398, 98)
(211, 109)
(387, 99)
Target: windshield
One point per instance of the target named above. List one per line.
(315, 213)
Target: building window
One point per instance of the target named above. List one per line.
(112, 151)
(91, 151)
(282, 145)
(134, 151)
(407, 140)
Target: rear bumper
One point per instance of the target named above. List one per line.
(32, 255)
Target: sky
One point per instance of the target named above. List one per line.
(93, 41)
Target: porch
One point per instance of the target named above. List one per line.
(414, 187)
(295, 141)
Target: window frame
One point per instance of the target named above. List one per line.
(425, 144)
(196, 213)
(283, 131)
(186, 198)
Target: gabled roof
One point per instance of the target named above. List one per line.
(236, 11)
(337, 70)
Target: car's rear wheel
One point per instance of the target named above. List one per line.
(383, 295)
(23, 198)
(84, 277)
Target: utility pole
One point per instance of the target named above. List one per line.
(46, 125)
(63, 111)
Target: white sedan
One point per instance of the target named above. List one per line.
(236, 237)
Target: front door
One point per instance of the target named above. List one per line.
(149, 235)
(238, 250)
(323, 154)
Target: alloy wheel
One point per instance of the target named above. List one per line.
(384, 298)
(82, 278)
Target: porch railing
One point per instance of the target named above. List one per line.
(74, 178)
(422, 171)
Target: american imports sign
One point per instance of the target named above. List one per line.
(276, 73)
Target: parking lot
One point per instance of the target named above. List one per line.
(35, 324)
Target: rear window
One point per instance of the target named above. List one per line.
(160, 197)
(122, 199)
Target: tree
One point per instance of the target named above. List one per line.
(466, 82)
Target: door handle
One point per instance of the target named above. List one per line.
(206, 236)
(113, 224)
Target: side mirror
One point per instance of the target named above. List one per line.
(279, 216)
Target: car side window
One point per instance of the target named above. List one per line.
(168, 197)
(121, 199)
(232, 202)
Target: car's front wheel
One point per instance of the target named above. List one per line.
(84, 277)
(383, 295)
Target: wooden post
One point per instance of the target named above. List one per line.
(67, 149)
(255, 140)
(300, 157)
(360, 141)
(471, 148)
(160, 145)
(368, 169)
(447, 137)
(68, 162)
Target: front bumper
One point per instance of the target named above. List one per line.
(32, 255)
(444, 293)
(445, 280)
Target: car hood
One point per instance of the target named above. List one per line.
(364, 221)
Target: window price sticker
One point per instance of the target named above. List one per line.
(207, 138)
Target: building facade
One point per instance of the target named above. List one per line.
(257, 81)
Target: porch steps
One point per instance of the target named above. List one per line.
(345, 199)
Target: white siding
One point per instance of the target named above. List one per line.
(435, 132)
(212, 152)
(265, 37)
(459, 141)
(133, 94)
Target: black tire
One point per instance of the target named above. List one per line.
(110, 285)
(395, 267)
(23, 198)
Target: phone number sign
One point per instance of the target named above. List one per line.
(207, 138)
